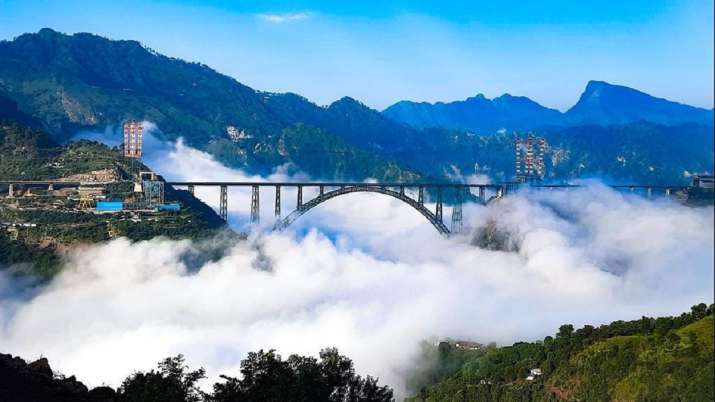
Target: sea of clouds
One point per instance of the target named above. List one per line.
(363, 272)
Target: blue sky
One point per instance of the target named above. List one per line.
(383, 51)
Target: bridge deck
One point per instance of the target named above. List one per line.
(326, 184)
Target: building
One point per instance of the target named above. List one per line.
(535, 372)
(467, 345)
(703, 181)
(109, 206)
(172, 207)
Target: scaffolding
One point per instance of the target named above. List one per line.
(529, 158)
(133, 139)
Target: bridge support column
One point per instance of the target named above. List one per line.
(650, 192)
(322, 190)
(255, 205)
(421, 195)
(50, 188)
(457, 212)
(190, 187)
(402, 190)
(667, 191)
(278, 202)
(482, 194)
(299, 204)
(11, 190)
(438, 207)
(223, 203)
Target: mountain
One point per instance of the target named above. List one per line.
(649, 359)
(348, 118)
(66, 83)
(600, 104)
(603, 103)
(86, 82)
(478, 114)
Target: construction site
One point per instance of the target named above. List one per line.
(128, 186)
(122, 198)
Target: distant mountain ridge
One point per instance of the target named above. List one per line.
(600, 104)
(67, 83)
(477, 113)
(604, 104)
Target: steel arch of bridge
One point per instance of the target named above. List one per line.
(395, 190)
(302, 209)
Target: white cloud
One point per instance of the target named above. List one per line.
(281, 18)
(374, 279)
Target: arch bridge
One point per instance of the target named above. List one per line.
(413, 194)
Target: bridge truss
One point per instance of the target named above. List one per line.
(437, 192)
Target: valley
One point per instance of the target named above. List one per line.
(169, 233)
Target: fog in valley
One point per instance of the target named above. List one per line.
(363, 272)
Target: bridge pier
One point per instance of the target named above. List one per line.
(255, 205)
(190, 187)
(278, 202)
(402, 190)
(322, 190)
(667, 191)
(650, 192)
(457, 212)
(11, 191)
(223, 203)
(299, 203)
(438, 207)
(421, 195)
(50, 188)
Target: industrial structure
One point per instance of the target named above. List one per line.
(133, 139)
(529, 158)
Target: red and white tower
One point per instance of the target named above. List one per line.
(529, 157)
(133, 139)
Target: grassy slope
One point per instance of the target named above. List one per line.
(678, 366)
(664, 359)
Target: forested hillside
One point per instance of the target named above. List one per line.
(66, 83)
(651, 359)
(83, 81)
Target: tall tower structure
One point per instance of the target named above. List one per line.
(133, 139)
(133, 147)
(529, 158)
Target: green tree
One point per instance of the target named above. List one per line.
(173, 382)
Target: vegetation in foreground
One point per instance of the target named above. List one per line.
(651, 359)
(265, 377)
